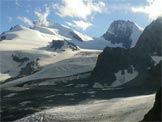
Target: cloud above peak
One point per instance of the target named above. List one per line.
(25, 20)
(153, 9)
(42, 16)
(79, 9)
(81, 13)
(83, 25)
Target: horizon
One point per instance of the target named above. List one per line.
(94, 18)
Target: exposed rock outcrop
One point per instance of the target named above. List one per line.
(154, 115)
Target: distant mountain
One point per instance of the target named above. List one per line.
(61, 30)
(55, 29)
(118, 66)
(123, 32)
(41, 52)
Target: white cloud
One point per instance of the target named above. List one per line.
(42, 17)
(80, 24)
(79, 8)
(153, 9)
(26, 20)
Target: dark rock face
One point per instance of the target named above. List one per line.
(112, 60)
(149, 80)
(151, 39)
(2, 38)
(58, 44)
(11, 28)
(72, 46)
(75, 36)
(29, 69)
(154, 115)
(120, 32)
(19, 60)
(27, 65)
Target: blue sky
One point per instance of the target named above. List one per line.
(92, 17)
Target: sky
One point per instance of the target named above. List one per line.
(91, 17)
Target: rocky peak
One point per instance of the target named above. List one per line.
(17, 28)
(151, 39)
(125, 32)
(62, 45)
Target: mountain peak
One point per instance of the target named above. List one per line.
(121, 25)
(125, 32)
(159, 19)
(151, 39)
(17, 28)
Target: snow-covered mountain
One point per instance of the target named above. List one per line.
(52, 51)
(123, 32)
(61, 31)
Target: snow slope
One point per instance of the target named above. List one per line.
(156, 59)
(124, 78)
(32, 43)
(131, 109)
(22, 38)
(62, 31)
(98, 43)
(60, 65)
